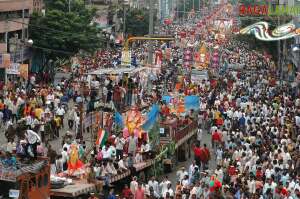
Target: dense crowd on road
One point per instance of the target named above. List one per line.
(252, 118)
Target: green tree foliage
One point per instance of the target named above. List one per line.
(137, 22)
(60, 34)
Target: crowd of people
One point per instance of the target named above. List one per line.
(253, 121)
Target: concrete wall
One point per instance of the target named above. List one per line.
(11, 5)
(14, 24)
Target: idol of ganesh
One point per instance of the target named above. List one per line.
(74, 163)
(134, 120)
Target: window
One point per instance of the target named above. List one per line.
(46, 179)
(32, 183)
(3, 16)
(2, 37)
(40, 181)
(26, 13)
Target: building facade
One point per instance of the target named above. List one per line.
(14, 19)
(38, 5)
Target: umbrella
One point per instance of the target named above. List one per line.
(32, 137)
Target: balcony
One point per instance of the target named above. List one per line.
(17, 56)
(13, 25)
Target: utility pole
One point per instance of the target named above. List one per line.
(23, 35)
(151, 24)
(279, 49)
(124, 20)
(184, 10)
(69, 5)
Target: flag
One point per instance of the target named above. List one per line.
(102, 137)
(191, 102)
(151, 117)
(167, 99)
(119, 119)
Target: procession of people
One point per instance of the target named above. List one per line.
(252, 120)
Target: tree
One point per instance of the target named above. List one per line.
(137, 22)
(61, 34)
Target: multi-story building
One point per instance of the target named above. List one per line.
(38, 5)
(14, 19)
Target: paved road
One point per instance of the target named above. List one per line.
(56, 143)
(212, 164)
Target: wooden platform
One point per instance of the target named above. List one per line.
(78, 188)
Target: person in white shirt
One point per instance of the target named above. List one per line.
(111, 169)
(11, 146)
(133, 185)
(297, 120)
(154, 184)
(269, 171)
(119, 142)
(181, 173)
(164, 185)
(191, 170)
(106, 152)
(60, 112)
(138, 158)
(112, 151)
(169, 191)
(269, 185)
(199, 135)
(121, 164)
(65, 158)
(251, 185)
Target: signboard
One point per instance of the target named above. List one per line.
(6, 60)
(13, 193)
(14, 69)
(24, 71)
(161, 131)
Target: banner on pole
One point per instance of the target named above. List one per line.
(6, 60)
(24, 71)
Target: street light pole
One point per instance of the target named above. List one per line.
(23, 36)
(124, 20)
(151, 24)
(279, 49)
(69, 5)
(184, 10)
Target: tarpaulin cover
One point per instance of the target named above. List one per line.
(151, 117)
(167, 99)
(191, 102)
(119, 119)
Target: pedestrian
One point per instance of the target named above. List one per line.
(204, 157)
(140, 192)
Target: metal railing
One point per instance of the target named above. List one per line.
(12, 172)
(180, 133)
